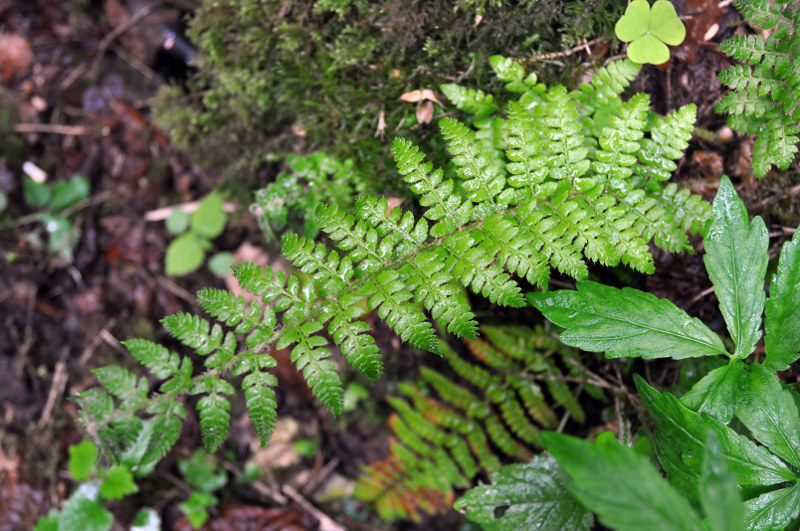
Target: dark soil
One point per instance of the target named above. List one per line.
(74, 100)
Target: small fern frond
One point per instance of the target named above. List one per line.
(213, 410)
(445, 442)
(475, 102)
(766, 89)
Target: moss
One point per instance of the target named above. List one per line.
(277, 77)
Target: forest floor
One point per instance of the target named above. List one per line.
(75, 95)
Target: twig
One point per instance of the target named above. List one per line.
(27, 342)
(55, 129)
(160, 214)
(258, 486)
(701, 295)
(119, 30)
(564, 53)
(326, 523)
(57, 387)
(794, 190)
(320, 476)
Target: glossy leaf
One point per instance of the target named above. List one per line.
(736, 261)
(718, 392)
(719, 492)
(625, 323)
(623, 488)
(529, 496)
(680, 435)
(782, 312)
(769, 412)
(773, 510)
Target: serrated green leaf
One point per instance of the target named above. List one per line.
(680, 437)
(773, 510)
(719, 493)
(782, 312)
(195, 508)
(80, 513)
(209, 218)
(47, 523)
(736, 261)
(526, 496)
(118, 483)
(625, 323)
(623, 488)
(769, 412)
(202, 471)
(185, 254)
(718, 393)
(82, 460)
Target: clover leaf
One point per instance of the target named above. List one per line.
(650, 30)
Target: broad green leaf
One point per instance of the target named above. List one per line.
(118, 483)
(177, 222)
(35, 194)
(47, 523)
(680, 435)
(719, 493)
(526, 496)
(718, 393)
(665, 24)
(203, 472)
(82, 460)
(209, 218)
(736, 261)
(185, 254)
(146, 519)
(625, 323)
(68, 193)
(650, 30)
(623, 488)
(773, 510)
(220, 263)
(195, 508)
(648, 50)
(769, 412)
(782, 312)
(82, 513)
(635, 22)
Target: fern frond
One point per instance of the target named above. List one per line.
(213, 410)
(475, 102)
(158, 360)
(465, 430)
(123, 385)
(766, 90)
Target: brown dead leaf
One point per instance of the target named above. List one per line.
(16, 55)
(425, 112)
(415, 96)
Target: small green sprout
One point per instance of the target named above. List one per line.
(649, 31)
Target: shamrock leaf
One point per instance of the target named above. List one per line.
(650, 30)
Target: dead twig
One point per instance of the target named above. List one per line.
(326, 523)
(565, 53)
(160, 214)
(257, 485)
(54, 129)
(57, 387)
(119, 30)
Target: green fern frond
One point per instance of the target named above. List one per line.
(445, 442)
(473, 101)
(766, 89)
(562, 179)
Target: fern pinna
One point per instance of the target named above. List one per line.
(443, 444)
(564, 177)
(766, 90)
